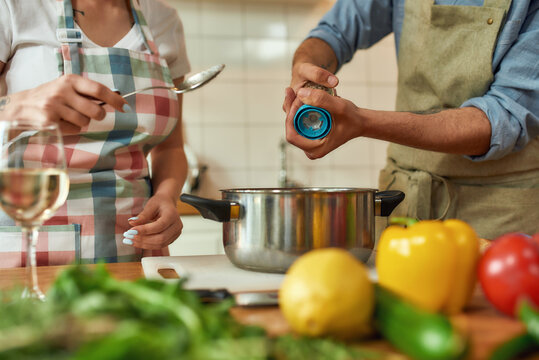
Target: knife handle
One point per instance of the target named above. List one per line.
(212, 296)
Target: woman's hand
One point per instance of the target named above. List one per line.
(157, 226)
(346, 121)
(70, 100)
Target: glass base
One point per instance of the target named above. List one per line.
(33, 293)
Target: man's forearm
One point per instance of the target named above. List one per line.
(317, 52)
(464, 131)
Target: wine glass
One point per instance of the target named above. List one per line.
(33, 183)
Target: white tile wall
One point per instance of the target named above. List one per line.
(265, 20)
(220, 18)
(235, 124)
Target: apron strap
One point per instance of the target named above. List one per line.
(421, 194)
(68, 35)
(140, 20)
(450, 194)
(419, 190)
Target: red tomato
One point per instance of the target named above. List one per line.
(509, 269)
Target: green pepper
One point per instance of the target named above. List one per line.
(523, 344)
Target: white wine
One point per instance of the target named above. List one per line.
(30, 196)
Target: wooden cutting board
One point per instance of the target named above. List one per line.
(211, 272)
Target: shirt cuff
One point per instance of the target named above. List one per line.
(502, 137)
(337, 44)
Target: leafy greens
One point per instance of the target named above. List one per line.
(90, 315)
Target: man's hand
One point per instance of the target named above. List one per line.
(346, 122)
(301, 74)
(314, 61)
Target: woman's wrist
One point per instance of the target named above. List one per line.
(167, 195)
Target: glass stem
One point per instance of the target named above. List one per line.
(30, 235)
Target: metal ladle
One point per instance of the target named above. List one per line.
(193, 82)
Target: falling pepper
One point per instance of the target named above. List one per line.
(431, 263)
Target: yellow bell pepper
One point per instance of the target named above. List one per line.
(431, 263)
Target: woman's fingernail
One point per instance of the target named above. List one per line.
(129, 236)
(332, 80)
(115, 90)
(127, 108)
(133, 218)
(131, 232)
(127, 242)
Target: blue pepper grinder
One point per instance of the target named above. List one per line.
(313, 122)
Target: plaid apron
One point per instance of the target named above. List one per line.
(107, 166)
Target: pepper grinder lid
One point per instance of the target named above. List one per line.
(312, 122)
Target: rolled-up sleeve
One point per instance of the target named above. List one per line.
(512, 101)
(354, 24)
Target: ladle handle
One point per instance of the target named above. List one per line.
(141, 90)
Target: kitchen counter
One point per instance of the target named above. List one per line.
(485, 326)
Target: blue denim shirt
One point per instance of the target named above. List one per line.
(512, 101)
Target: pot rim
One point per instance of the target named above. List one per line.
(297, 190)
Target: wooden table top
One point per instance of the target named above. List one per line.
(486, 327)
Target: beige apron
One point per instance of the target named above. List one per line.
(445, 58)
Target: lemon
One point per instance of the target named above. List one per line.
(327, 292)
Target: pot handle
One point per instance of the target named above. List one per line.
(218, 210)
(386, 201)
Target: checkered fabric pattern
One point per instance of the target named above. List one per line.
(56, 245)
(106, 161)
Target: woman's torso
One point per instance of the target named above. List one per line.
(107, 160)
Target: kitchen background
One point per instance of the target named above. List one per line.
(235, 125)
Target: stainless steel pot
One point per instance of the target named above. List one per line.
(267, 229)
